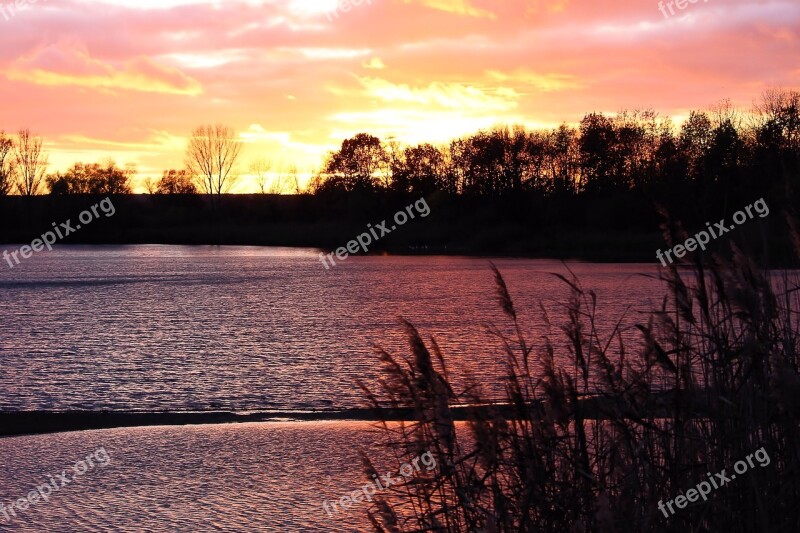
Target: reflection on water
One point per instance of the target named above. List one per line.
(171, 327)
(245, 477)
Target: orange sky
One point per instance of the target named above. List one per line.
(129, 79)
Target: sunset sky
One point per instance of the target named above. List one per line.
(129, 79)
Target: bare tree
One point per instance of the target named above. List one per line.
(31, 163)
(151, 185)
(130, 171)
(260, 170)
(277, 185)
(314, 183)
(779, 109)
(211, 158)
(281, 182)
(7, 163)
(293, 181)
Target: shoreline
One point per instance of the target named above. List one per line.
(24, 423)
(505, 227)
(432, 252)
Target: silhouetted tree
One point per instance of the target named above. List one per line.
(597, 144)
(356, 166)
(671, 165)
(537, 148)
(694, 141)
(151, 185)
(637, 134)
(418, 169)
(259, 169)
(211, 158)
(30, 162)
(7, 163)
(176, 182)
(564, 159)
(456, 163)
(779, 110)
(91, 178)
(776, 139)
(292, 180)
(725, 157)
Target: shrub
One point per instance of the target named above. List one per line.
(596, 444)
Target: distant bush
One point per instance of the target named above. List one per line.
(94, 178)
(176, 182)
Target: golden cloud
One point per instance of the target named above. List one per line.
(458, 7)
(545, 83)
(443, 95)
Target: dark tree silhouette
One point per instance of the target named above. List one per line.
(715, 158)
(356, 166)
(7, 164)
(30, 162)
(93, 178)
(176, 182)
(419, 170)
(211, 158)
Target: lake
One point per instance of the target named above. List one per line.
(169, 327)
(157, 328)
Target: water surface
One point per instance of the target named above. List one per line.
(173, 328)
(238, 478)
(239, 328)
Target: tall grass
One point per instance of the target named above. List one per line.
(595, 445)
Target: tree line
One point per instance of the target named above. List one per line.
(721, 149)
(718, 151)
(211, 157)
(24, 163)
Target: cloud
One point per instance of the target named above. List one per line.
(541, 82)
(375, 64)
(443, 95)
(458, 7)
(72, 66)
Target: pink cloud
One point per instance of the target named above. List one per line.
(68, 65)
